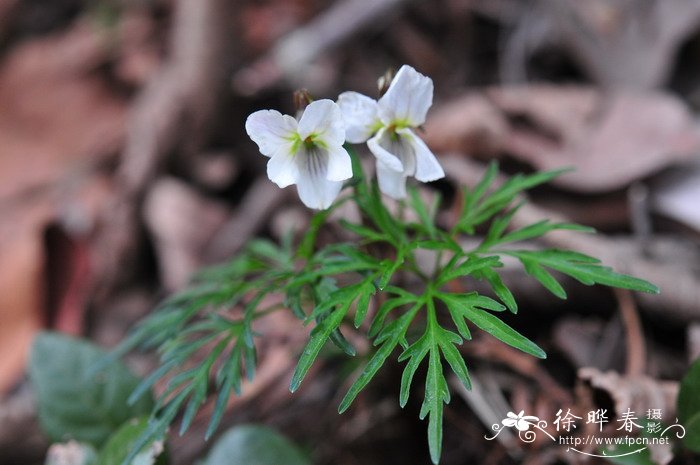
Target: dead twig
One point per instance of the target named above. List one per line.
(172, 111)
(634, 338)
(293, 54)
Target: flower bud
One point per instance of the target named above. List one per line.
(302, 98)
(385, 80)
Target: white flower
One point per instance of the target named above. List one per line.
(399, 151)
(521, 421)
(308, 153)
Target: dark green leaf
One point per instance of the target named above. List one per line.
(364, 232)
(689, 406)
(121, 443)
(501, 290)
(386, 308)
(488, 322)
(544, 277)
(366, 293)
(255, 445)
(421, 210)
(389, 338)
(319, 336)
(389, 268)
(467, 267)
(73, 401)
(540, 229)
(587, 270)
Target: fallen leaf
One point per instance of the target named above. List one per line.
(59, 119)
(182, 223)
(677, 195)
(56, 111)
(469, 124)
(637, 393)
(611, 139)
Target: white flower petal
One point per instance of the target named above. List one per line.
(427, 167)
(318, 194)
(509, 422)
(391, 182)
(408, 98)
(339, 164)
(282, 168)
(271, 130)
(360, 116)
(314, 187)
(322, 118)
(390, 160)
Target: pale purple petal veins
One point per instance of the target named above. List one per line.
(360, 116)
(315, 189)
(339, 164)
(390, 160)
(323, 122)
(427, 167)
(270, 129)
(408, 98)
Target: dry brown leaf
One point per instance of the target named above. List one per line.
(182, 222)
(21, 288)
(611, 139)
(469, 124)
(677, 195)
(637, 393)
(58, 118)
(55, 110)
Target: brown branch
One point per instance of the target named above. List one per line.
(293, 54)
(634, 338)
(172, 111)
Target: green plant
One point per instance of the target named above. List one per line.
(84, 410)
(331, 287)
(689, 406)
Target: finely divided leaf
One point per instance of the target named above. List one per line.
(461, 306)
(389, 338)
(587, 270)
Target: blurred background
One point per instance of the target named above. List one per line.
(125, 167)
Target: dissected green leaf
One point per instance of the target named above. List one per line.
(540, 229)
(479, 207)
(500, 289)
(73, 401)
(389, 338)
(364, 232)
(320, 334)
(426, 217)
(366, 293)
(587, 270)
(461, 306)
(470, 266)
(389, 305)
